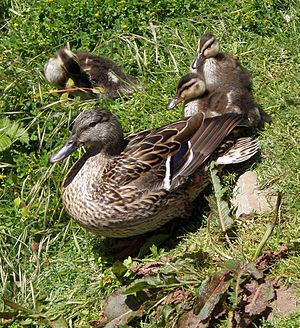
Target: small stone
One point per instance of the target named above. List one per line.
(248, 199)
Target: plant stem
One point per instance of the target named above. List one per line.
(270, 229)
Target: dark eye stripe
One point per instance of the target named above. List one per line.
(187, 86)
(210, 44)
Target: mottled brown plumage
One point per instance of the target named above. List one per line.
(216, 68)
(127, 186)
(224, 99)
(99, 76)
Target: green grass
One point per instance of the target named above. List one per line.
(70, 272)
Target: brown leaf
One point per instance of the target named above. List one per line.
(255, 301)
(34, 246)
(242, 319)
(96, 323)
(259, 299)
(212, 290)
(119, 309)
(269, 257)
(191, 320)
(176, 297)
(146, 269)
(99, 322)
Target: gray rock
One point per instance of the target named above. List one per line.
(248, 199)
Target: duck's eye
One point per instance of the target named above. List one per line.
(93, 124)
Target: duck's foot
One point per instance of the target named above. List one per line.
(129, 246)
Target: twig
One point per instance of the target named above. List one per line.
(22, 200)
(270, 229)
(121, 37)
(245, 53)
(62, 90)
(268, 183)
(7, 190)
(37, 56)
(155, 40)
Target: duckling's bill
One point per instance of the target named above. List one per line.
(67, 149)
(174, 102)
(198, 60)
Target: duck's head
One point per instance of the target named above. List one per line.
(190, 86)
(61, 67)
(208, 46)
(96, 127)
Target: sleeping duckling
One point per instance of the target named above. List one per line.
(123, 187)
(216, 67)
(93, 76)
(226, 98)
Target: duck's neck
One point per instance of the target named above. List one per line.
(108, 151)
(192, 106)
(81, 183)
(94, 158)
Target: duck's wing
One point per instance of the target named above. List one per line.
(201, 146)
(175, 150)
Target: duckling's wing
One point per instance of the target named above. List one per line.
(239, 151)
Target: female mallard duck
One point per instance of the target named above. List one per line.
(123, 187)
(224, 99)
(216, 68)
(94, 75)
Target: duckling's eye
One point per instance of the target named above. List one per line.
(93, 124)
(210, 44)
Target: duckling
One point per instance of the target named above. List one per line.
(94, 76)
(217, 68)
(124, 187)
(226, 98)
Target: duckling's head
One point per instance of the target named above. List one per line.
(96, 127)
(208, 46)
(190, 86)
(61, 67)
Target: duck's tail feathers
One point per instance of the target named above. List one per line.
(241, 151)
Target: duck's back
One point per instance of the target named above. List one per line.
(223, 68)
(106, 74)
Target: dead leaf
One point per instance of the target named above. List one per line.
(211, 291)
(146, 269)
(119, 308)
(269, 257)
(176, 297)
(116, 310)
(255, 302)
(260, 296)
(190, 320)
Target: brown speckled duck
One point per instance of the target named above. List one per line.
(99, 77)
(216, 67)
(226, 98)
(123, 187)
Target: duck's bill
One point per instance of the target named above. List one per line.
(198, 60)
(67, 149)
(175, 101)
